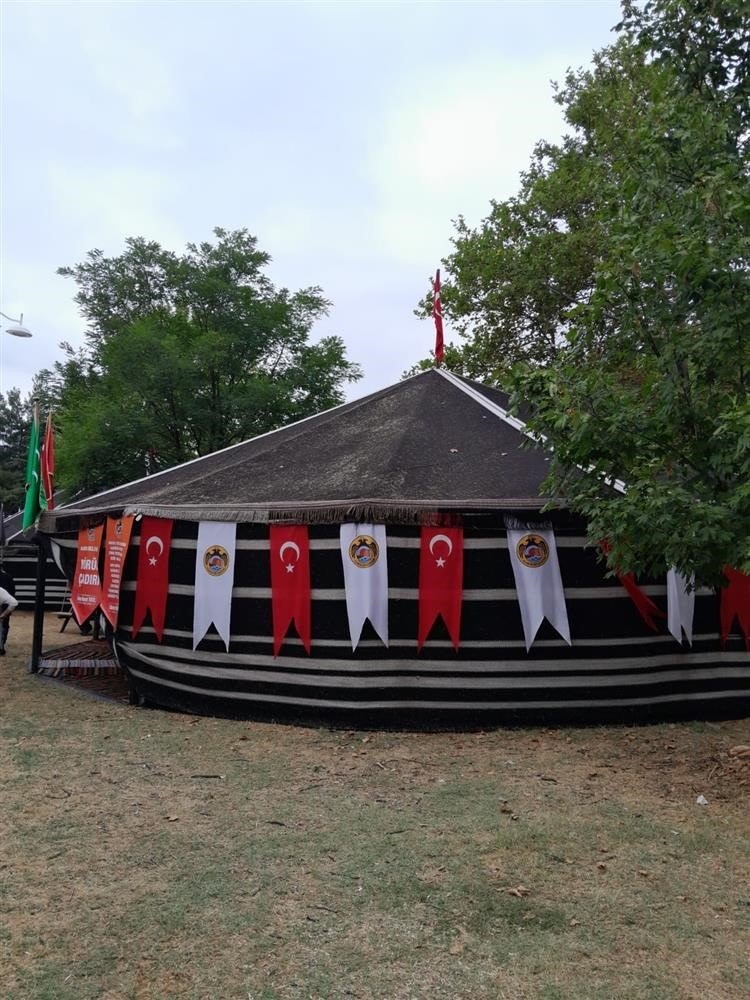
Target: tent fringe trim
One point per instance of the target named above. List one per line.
(437, 512)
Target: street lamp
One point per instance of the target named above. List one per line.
(16, 329)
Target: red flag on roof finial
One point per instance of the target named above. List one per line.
(437, 314)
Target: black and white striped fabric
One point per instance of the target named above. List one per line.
(615, 668)
(21, 562)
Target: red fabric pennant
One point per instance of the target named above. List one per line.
(115, 550)
(441, 565)
(152, 582)
(86, 592)
(290, 582)
(437, 315)
(645, 606)
(47, 464)
(735, 603)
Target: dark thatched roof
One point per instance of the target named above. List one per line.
(434, 442)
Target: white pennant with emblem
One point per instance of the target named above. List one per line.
(214, 577)
(533, 554)
(363, 553)
(680, 606)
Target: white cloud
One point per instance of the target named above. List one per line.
(116, 201)
(345, 136)
(454, 143)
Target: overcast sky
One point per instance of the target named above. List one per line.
(345, 136)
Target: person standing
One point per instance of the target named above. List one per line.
(8, 605)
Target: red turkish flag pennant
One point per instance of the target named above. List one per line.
(115, 550)
(290, 582)
(441, 570)
(646, 607)
(735, 602)
(86, 592)
(437, 315)
(153, 574)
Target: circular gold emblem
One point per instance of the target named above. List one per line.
(216, 560)
(533, 551)
(364, 551)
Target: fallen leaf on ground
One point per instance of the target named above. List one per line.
(519, 891)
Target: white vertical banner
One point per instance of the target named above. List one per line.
(533, 554)
(364, 556)
(680, 605)
(214, 577)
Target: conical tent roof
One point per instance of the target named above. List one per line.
(431, 442)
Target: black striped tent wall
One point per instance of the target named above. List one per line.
(21, 562)
(616, 667)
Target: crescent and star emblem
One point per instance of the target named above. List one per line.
(440, 562)
(153, 559)
(295, 548)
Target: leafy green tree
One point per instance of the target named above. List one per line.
(631, 338)
(185, 355)
(512, 282)
(15, 420)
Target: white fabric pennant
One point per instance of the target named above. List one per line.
(533, 555)
(214, 578)
(680, 605)
(364, 556)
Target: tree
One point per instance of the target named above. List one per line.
(632, 349)
(512, 283)
(185, 355)
(15, 420)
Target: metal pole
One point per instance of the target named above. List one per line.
(41, 581)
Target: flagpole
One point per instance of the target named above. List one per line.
(39, 599)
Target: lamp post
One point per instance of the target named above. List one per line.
(15, 328)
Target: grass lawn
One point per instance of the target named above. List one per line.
(147, 854)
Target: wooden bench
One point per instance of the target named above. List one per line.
(85, 629)
(65, 616)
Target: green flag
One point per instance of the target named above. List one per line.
(31, 506)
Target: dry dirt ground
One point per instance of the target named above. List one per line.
(147, 854)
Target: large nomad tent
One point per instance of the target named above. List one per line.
(433, 449)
